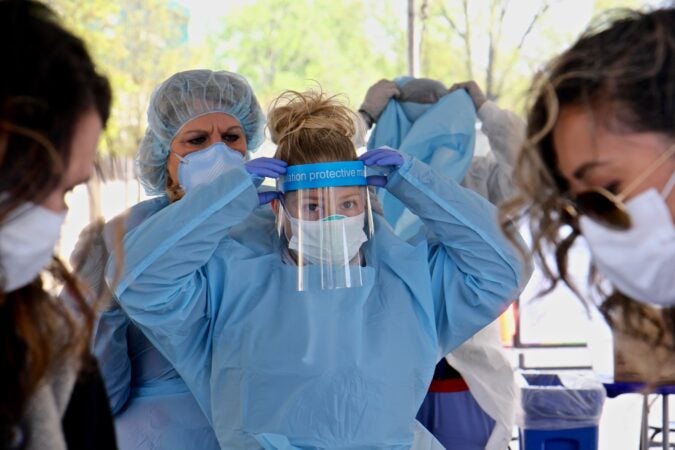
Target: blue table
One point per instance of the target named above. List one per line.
(617, 388)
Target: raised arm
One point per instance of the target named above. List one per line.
(163, 286)
(491, 175)
(505, 131)
(475, 271)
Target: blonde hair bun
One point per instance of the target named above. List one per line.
(312, 127)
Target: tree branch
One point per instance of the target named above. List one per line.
(453, 25)
(411, 38)
(490, 91)
(544, 7)
(467, 39)
(464, 35)
(424, 14)
(542, 10)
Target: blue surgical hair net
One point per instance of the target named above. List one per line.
(181, 98)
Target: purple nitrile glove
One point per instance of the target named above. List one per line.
(266, 167)
(385, 157)
(376, 180)
(267, 196)
(382, 157)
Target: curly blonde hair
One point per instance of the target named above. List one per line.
(622, 71)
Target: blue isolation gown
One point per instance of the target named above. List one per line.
(275, 368)
(441, 135)
(153, 407)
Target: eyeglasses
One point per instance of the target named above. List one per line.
(604, 207)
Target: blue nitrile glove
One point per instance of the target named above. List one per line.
(385, 157)
(267, 196)
(261, 168)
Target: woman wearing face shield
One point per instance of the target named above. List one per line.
(599, 161)
(320, 328)
(200, 122)
(54, 104)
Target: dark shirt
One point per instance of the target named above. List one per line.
(88, 422)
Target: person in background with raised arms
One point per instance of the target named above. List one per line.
(53, 106)
(473, 397)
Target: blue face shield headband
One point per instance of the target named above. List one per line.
(326, 218)
(321, 175)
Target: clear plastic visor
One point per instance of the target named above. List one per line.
(325, 230)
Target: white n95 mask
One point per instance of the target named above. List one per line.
(639, 261)
(333, 240)
(27, 240)
(203, 166)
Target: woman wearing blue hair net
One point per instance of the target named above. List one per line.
(277, 362)
(199, 123)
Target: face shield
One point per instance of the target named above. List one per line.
(325, 218)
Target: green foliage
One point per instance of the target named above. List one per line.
(137, 44)
(299, 44)
(600, 6)
(342, 46)
(486, 41)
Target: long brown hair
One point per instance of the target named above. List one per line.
(624, 66)
(49, 85)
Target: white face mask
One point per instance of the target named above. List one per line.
(639, 261)
(333, 240)
(27, 240)
(203, 166)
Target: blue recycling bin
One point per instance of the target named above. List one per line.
(560, 414)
